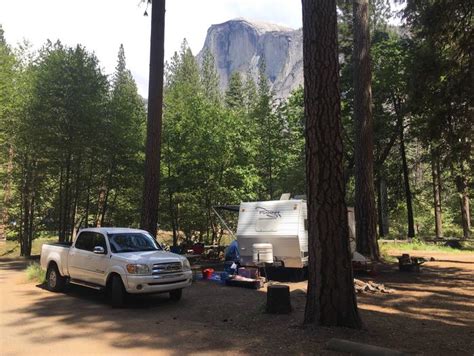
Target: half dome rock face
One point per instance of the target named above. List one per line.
(240, 45)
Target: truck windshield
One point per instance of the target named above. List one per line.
(132, 242)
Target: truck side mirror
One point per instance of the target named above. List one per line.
(99, 250)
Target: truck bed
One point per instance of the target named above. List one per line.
(61, 244)
(58, 253)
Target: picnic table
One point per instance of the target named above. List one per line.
(407, 263)
(192, 258)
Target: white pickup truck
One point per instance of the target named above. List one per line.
(117, 260)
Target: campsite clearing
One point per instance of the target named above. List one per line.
(431, 312)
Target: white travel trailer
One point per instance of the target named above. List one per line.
(277, 232)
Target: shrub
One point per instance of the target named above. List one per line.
(34, 272)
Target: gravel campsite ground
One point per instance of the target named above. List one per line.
(429, 313)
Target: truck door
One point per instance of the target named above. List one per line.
(79, 255)
(98, 262)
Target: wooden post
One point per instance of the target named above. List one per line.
(278, 299)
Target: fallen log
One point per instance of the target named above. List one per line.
(356, 348)
(361, 286)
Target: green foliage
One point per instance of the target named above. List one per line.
(123, 147)
(291, 155)
(11, 247)
(247, 148)
(423, 83)
(201, 165)
(441, 87)
(66, 111)
(75, 142)
(234, 96)
(35, 273)
(76, 138)
(210, 78)
(418, 245)
(8, 101)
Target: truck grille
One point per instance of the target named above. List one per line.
(164, 268)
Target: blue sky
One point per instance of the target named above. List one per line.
(101, 25)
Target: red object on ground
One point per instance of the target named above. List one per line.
(207, 273)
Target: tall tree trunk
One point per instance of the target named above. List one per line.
(7, 195)
(67, 198)
(75, 202)
(462, 187)
(419, 181)
(208, 216)
(61, 235)
(100, 205)
(104, 207)
(365, 214)
(105, 204)
(270, 159)
(331, 298)
(28, 207)
(29, 241)
(111, 208)
(88, 198)
(175, 228)
(21, 223)
(406, 180)
(435, 174)
(382, 207)
(151, 191)
(25, 194)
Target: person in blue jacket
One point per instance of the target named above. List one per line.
(232, 252)
(232, 258)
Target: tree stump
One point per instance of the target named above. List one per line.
(278, 299)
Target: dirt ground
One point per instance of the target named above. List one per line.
(430, 313)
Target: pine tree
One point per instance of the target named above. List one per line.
(210, 78)
(331, 298)
(365, 216)
(151, 191)
(234, 95)
(122, 147)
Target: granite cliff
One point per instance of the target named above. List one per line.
(239, 45)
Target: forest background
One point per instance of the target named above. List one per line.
(72, 138)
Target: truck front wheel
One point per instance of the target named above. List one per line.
(175, 295)
(54, 281)
(117, 292)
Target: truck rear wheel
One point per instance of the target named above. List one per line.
(54, 281)
(117, 292)
(175, 295)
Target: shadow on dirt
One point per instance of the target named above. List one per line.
(428, 313)
(16, 264)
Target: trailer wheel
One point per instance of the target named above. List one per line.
(54, 281)
(117, 292)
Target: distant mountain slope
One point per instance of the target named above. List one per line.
(239, 45)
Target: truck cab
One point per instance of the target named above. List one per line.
(119, 260)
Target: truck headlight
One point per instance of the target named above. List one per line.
(186, 265)
(138, 269)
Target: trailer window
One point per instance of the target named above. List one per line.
(267, 225)
(306, 224)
